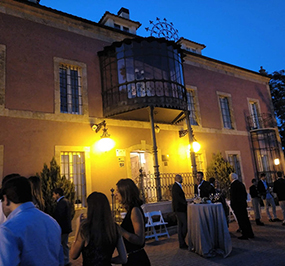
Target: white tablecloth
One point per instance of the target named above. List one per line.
(208, 232)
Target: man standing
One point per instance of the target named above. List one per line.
(238, 197)
(62, 215)
(205, 189)
(179, 206)
(264, 191)
(29, 236)
(255, 200)
(279, 189)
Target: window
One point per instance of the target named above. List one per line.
(234, 161)
(2, 74)
(70, 90)
(254, 114)
(1, 162)
(192, 107)
(199, 162)
(226, 112)
(126, 29)
(72, 166)
(117, 26)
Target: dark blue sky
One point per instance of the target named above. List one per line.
(245, 33)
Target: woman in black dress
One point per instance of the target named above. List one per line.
(133, 225)
(97, 236)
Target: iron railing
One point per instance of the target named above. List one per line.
(264, 120)
(148, 189)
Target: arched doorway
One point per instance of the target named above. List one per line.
(141, 160)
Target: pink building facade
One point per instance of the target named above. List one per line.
(60, 75)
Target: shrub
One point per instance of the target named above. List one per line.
(220, 169)
(51, 179)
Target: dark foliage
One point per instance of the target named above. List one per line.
(51, 179)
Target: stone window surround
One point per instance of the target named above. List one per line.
(86, 150)
(229, 97)
(83, 73)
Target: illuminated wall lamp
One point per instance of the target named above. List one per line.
(276, 161)
(105, 143)
(196, 146)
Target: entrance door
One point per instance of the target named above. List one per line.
(143, 160)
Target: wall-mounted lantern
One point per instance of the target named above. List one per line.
(105, 143)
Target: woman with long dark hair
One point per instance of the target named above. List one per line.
(97, 236)
(133, 225)
(38, 199)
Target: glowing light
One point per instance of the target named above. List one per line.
(105, 144)
(276, 161)
(196, 147)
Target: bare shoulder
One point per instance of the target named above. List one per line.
(136, 213)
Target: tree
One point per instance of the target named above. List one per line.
(51, 179)
(220, 169)
(277, 88)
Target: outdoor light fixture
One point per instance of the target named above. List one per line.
(276, 161)
(196, 146)
(183, 133)
(157, 129)
(105, 143)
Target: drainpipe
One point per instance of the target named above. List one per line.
(191, 139)
(155, 159)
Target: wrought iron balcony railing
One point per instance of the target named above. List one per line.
(261, 121)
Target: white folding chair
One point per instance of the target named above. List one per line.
(231, 212)
(149, 228)
(249, 207)
(157, 227)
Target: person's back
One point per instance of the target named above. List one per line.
(29, 236)
(36, 233)
(279, 189)
(94, 255)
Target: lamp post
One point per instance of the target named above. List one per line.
(156, 166)
(191, 140)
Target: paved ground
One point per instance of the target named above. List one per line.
(267, 248)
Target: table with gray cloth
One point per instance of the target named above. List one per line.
(208, 232)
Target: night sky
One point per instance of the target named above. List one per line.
(245, 33)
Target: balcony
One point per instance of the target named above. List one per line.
(142, 72)
(262, 121)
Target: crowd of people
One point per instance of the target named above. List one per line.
(259, 191)
(31, 237)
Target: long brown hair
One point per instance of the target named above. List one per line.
(130, 193)
(37, 192)
(99, 227)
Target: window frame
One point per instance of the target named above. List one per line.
(75, 149)
(194, 92)
(238, 154)
(230, 109)
(2, 75)
(254, 117)
(83, 74)
(1, 162)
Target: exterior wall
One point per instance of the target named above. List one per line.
(33, 41)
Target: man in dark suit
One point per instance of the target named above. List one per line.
(268, 200)
(62, 215)
(205, 189)
(238, 203)
(179, 206)
(255, 200)
(279, 189)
